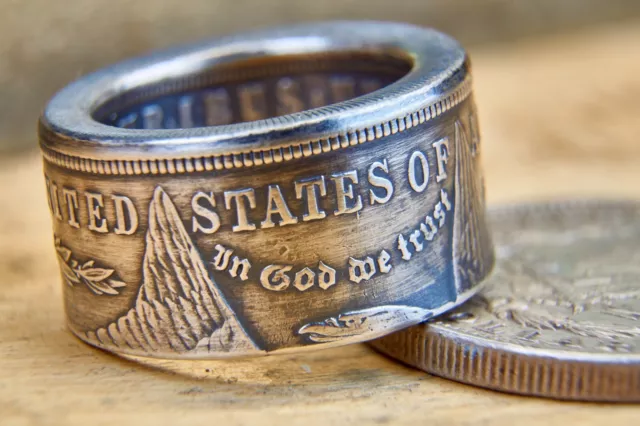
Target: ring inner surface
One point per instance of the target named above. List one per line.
(253, 89)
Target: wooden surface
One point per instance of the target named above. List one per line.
(560, 117)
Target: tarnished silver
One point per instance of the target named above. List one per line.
(306, 186)
(560, 315)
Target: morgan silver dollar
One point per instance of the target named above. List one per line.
(558, 318)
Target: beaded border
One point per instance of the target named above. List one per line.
(252, 158)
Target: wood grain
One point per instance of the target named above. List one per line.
(559, 118)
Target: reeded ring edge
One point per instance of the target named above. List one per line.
(439, 80)
(249, 158)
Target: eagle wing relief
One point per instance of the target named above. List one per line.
(471, 241)
(350, 325)
(179, 307)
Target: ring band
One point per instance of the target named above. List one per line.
(298, 187)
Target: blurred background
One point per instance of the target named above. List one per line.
(557, 85)
(45, 44)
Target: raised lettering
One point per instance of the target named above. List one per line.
(441, 147)
(418, 173)
(361, 269)
(444, 199)
(185, 111)
(404, 247)
(439, 215)
(128, 121)
(428, 228)
(71, 200)
(252, 102)
(240, 198)
(126, 215)
(277, 205)
(152, 117)
(413, 239)
(317, 91)
(344, 192)
(275, 278)
(304, 279)
(54, 201)
(380, 181)
(309, 189)
(221, 259)
(384, 264)
(97, 222)
(217, 108)
(238, 263)
(289, 96)
(207, 220)
(326, 276)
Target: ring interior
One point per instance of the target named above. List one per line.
(253, 89)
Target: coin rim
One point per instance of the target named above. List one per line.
(549, 366)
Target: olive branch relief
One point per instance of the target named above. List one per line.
(98, 280)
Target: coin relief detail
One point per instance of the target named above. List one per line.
(558, 317)
(573, 289)
(179, 304)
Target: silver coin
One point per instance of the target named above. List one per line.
(558, 318)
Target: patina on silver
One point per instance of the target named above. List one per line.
(558, 318)
(299, 187)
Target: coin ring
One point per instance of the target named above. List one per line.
(299, 187)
